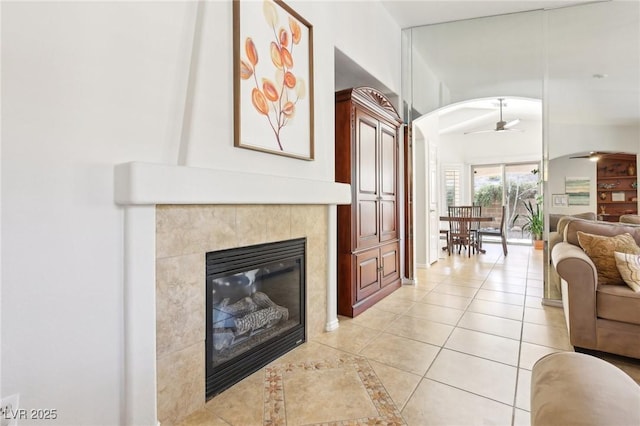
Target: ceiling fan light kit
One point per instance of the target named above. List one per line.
(595, 155)
(501, 125)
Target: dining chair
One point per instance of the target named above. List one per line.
(496, 232)
(444, 235)
(459, 228)
(476, 211)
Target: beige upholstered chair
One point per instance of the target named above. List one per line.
(569, 388)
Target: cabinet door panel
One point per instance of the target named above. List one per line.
(388, 160)
(366, 155)
(367, 274)
(390, 255)
(388, 223)
(388, 183)
(367, 224)
(366, 191)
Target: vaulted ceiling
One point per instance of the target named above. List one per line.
(412, 13)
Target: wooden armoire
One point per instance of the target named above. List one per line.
(367, 138)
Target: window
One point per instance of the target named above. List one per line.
(510, 185)
(452, 187)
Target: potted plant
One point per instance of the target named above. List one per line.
(534, 223)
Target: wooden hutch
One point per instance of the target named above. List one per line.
(367, 138)
(617, 186)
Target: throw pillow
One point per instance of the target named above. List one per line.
(629, 268)
(600, 249)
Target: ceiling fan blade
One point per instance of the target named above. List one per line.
(501, 126)
(592, 156)
(479, 131)
(512, 123)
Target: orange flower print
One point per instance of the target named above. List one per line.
(296, 34)
(246, 70)
(287, 59)
(270, 90)
(252, 53)
(276, 55)
(284, 37)
(288, 109)
(259, 101)
(275, 97)
(289, 80)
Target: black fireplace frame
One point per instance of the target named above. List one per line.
(236, 260)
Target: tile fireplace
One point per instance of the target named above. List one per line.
(173, 216)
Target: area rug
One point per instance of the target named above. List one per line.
(341, 391)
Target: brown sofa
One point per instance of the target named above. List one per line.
(554, 219)
(557, 223)
(599, 317)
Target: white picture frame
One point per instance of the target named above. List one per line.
(560, 200)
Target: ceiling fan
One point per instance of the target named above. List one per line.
(593, 155)
(501, 126)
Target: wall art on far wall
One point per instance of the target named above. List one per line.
(273, 79)
(578, 190)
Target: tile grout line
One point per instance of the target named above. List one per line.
(424, 377)
(515, 393)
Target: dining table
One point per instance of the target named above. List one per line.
(469, 219)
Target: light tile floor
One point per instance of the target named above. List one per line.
(455, 349)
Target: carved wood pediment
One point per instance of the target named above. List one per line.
(373, 99)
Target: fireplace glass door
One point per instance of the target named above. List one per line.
(255, 308)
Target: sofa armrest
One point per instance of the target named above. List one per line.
(554, 238)
(574, 264)
(576, 268)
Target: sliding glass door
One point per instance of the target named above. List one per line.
(510, 185)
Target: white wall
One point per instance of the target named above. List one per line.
(425, 92)
(567, 138)
(563, 167)
(89, 85)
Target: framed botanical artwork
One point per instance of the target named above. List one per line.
(560, 200)
(273, 79)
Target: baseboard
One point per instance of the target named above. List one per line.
(331, 325)
(408, 281)
(556, 303)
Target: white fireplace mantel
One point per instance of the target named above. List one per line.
(139, 187)
(151, 184)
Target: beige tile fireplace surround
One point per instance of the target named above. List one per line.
(173, 215)
(184, 233)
